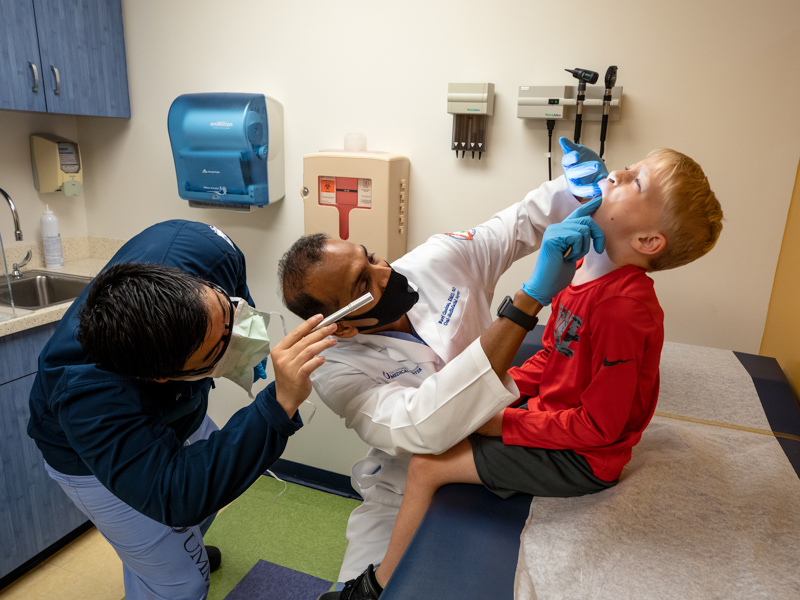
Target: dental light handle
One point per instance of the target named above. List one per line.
(611, 79)
(343, 312)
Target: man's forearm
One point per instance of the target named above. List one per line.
(502, 340)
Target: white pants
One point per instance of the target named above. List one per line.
(159, 562)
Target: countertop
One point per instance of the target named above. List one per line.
(27, 319)
(76, 262)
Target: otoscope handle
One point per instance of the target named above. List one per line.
(579, 110)
(610, 80)
(606, 110)
(603, 129)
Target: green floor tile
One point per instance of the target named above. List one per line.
(303, 530)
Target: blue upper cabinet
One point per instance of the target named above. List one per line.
(80, 60)
(20, 68)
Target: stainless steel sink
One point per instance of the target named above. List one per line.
(38, 289)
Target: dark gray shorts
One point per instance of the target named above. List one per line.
(507, 470)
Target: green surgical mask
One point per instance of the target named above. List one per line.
(249, 345)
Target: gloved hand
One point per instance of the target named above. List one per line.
(554, 271)
(260, 370)
(583, 169)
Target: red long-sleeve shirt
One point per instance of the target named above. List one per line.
(594, 386)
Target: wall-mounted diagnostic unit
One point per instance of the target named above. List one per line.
(471, 105)
(56, 164)
(581, 103)
(358, 196)
(228, 149)
(558, 102)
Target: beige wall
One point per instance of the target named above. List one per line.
(707, 78)
(783, 319)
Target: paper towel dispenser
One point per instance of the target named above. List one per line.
(228, 149)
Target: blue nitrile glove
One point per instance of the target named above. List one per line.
(553, 272)
(260, 370)
(583, 168)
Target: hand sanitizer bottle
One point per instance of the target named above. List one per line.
(53, 255)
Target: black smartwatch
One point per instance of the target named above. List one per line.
(515, 315)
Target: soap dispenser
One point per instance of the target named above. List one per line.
(51, 239)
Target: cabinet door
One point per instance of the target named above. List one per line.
(82, 46)
(21, 85)
(34, 512)
(20, 351)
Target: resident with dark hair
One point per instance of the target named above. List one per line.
(118, 408)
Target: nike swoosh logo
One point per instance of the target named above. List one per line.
(611, 363)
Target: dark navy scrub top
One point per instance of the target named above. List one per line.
(130, 433)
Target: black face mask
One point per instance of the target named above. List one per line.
(397, 300)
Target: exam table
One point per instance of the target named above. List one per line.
(468, 544)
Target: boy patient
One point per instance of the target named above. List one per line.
(588, 395)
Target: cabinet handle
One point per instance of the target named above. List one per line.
(35, 77)
(57, 91)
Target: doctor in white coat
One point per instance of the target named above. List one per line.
(431, 370)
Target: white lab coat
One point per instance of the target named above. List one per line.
(404, 397)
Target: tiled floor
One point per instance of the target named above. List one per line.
(86, 569)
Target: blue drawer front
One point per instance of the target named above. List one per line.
(20, 351)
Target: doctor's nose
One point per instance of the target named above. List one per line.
(383, 280)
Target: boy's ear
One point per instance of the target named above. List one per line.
(650, 243)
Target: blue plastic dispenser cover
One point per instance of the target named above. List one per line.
(220, 144)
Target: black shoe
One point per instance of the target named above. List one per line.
(363, 587)
(214, 557)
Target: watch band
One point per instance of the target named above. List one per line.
(508, 311)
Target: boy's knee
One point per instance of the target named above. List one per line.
(424, 470)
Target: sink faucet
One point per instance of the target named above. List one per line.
(17, 230)
(17, 274)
